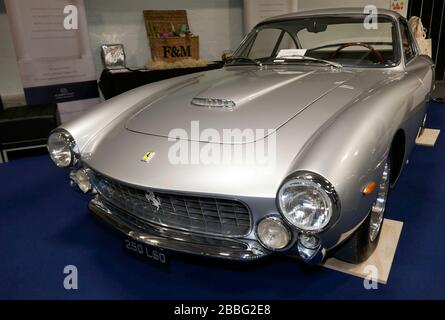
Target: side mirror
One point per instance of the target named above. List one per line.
(227, 55)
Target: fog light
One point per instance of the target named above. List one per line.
(273, 233)
(81, 179)
(308, 246)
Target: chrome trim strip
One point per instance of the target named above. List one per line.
(176, 240)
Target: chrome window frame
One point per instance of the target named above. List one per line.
(398, 50)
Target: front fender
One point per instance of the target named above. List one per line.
(350, 151)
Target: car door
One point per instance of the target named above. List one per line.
(419, 69)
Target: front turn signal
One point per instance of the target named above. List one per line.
(369, 188)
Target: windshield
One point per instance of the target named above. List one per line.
(342, 40)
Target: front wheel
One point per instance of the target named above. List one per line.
(363, 242)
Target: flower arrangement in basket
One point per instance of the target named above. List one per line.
(171, 40)
(420, 33)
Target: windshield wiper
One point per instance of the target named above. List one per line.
(302, 58)
(257, 62)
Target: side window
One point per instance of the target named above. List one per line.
(407, 41)
(264, 44)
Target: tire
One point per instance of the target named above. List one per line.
(365, 239)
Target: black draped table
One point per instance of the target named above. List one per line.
(115, 82)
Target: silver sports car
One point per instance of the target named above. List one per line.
(291, 148)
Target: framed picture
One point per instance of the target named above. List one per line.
(113, 56)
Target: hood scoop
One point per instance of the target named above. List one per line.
(214, 103)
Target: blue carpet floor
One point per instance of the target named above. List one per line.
(45, 225)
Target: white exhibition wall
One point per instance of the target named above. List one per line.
(10, 83)
(219, 23)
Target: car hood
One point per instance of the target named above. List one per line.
(116, 152)
(263, 99)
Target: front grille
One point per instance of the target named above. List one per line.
(191, 213)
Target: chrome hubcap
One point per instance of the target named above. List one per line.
(379, 205)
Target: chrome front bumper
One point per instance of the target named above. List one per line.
(176, 240)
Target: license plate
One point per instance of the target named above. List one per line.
(152, 254)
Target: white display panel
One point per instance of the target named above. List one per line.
(55, 63)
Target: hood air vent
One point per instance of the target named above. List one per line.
(214, 103)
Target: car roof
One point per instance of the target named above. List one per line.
(331, 11)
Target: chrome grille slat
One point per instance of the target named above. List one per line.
(191, 213)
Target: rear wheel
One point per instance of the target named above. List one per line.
(363, 242)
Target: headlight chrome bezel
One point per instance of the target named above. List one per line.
(314, 180)
(70, 143)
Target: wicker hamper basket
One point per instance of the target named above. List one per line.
(169, 49)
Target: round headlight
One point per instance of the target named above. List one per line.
(273, 233)
(61, 148)
(305, 202)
